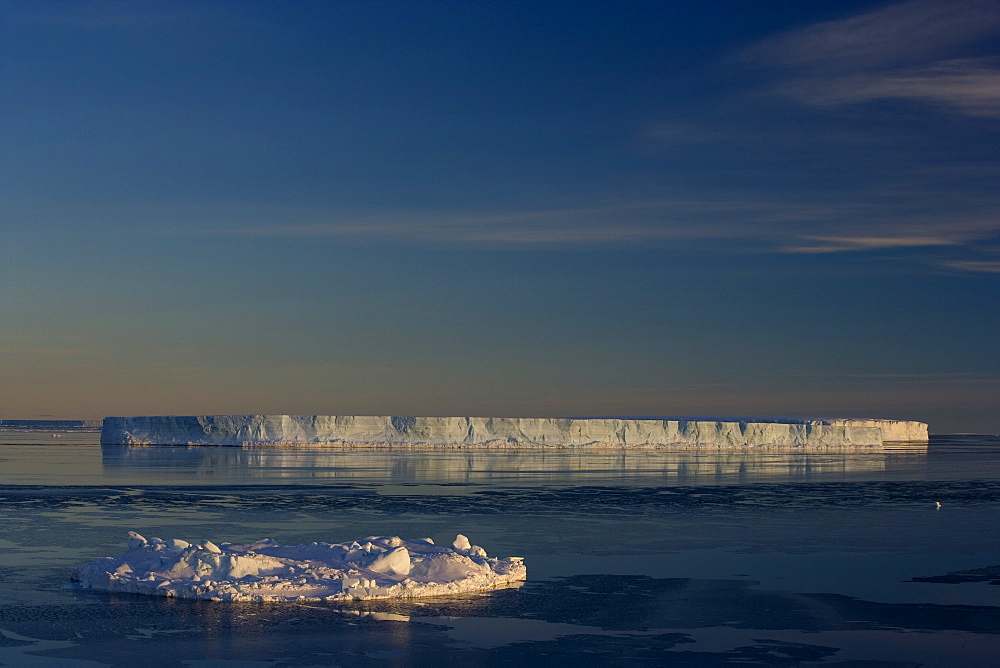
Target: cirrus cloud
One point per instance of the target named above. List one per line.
(925, 51)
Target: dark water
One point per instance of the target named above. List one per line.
(653, 558)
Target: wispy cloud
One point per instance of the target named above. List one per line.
(917, 51)
(942, 240)
(905, 32)
(969, 86)
(841, 244)
(623, 222)
(727, 224)
(899, 186)
(981, 266)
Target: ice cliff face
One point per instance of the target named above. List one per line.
(396, 432)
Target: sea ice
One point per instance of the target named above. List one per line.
(371, 568)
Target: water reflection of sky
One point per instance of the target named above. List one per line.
(689, 558)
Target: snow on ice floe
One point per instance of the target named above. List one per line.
(377, 567)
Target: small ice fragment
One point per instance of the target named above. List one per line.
(209, 546)
(477, 551)
(178, 544)
(461, 542)
(396, 561)
(135, 540)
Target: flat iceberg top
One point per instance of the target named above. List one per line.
(504, 432)
(377, 567)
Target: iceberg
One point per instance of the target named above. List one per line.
(506, 432)
(377, 567)
(50, 425)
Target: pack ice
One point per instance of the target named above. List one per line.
(370, 568)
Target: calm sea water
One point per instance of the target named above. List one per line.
(655, 558)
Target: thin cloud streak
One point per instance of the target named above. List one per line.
(646, 221)
(902, 32)
(967, 86)
(842, 244)
(725, 225)
(980, 266)
(908, 51)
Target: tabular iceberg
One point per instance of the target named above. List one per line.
(370, 568)
(422, 432)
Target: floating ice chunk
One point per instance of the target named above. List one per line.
(379, 567)
(364, 583)
(448, 567)
(396, 561)
(209, 546)
(462, 544)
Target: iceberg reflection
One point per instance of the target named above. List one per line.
(210, 465)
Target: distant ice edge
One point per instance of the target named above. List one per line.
(377, 567)
(492, 432)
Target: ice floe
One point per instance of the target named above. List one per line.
(377, 567)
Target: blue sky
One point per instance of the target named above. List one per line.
(501, 208)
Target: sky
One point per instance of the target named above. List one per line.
(501, 208)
